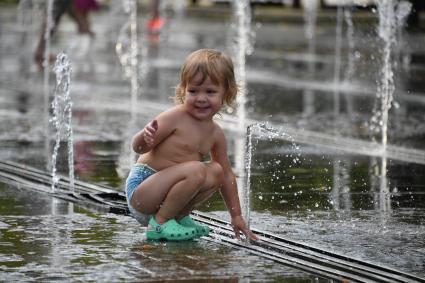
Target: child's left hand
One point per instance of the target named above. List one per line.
(239, 225)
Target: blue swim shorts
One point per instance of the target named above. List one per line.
(137, 175)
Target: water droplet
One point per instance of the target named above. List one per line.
(357, 55)
(396, 105)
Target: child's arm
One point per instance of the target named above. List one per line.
(229, 190)
(143, 141)
(156, 131)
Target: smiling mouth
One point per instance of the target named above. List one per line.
(202, 108)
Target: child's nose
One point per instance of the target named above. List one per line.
(202, 97)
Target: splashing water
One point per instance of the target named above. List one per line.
(133, 56)
(350, 69)
(127, 45)
(242, 39)
(390, 13)
(310, 18)
(403, 10)
(337, 62)
(270, 133)
(127, 49)
(243, 45)
(246, 197)
(46, 81)
(62, 115)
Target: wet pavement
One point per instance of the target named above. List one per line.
(330, 198)
(46, 239)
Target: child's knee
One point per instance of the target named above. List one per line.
(197, 172)
(217, 172)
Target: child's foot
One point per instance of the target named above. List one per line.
(201, 230)
(170, 230)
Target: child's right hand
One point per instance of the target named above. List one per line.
(149, 132)
(239, 225)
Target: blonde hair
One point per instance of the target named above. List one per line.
(211, 64)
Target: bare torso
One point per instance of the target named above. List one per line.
(188, 139)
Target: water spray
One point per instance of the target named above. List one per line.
(62, 116)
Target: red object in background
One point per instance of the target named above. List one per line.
(155, 24)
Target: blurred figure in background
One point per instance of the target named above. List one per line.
(155, 22)
(79, 11)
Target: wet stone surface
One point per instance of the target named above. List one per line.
(44, 239)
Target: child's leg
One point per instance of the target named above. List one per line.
(81, 19)
(175, 191)
(166, 192)
(213, 181)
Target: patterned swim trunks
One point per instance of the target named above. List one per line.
(137, 175)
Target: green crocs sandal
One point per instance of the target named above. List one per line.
(170, 230)
(201, 230)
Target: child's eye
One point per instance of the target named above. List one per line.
(211, 91)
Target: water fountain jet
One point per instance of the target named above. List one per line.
(127, 50)
(242, 47)
(387, 31)
(46, 80)
(62, 115)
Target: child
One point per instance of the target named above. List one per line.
(169, 178)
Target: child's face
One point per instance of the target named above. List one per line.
(203, 100)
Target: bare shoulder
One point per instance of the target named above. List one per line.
(219, 136)
(170, 116)
(168, 120)
(172, 113)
